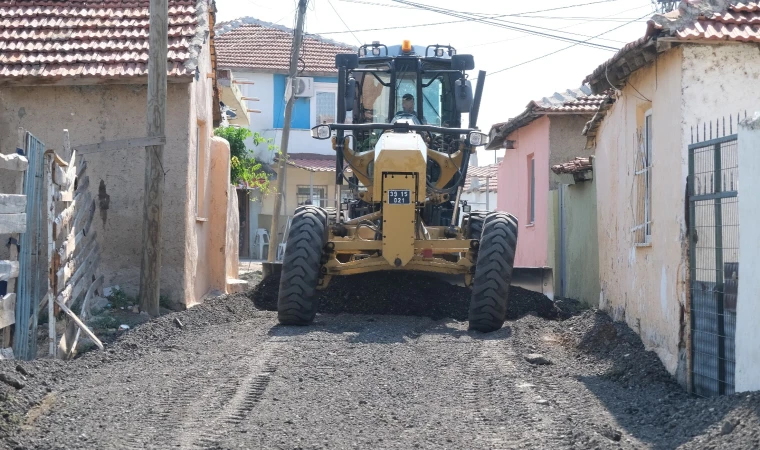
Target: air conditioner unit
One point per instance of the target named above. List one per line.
(304, 87)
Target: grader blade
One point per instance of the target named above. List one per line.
(536, 279)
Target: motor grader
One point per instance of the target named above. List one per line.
(402, 159)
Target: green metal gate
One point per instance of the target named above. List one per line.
(714, 256)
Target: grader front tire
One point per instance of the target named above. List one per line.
(493, 275)
(297, 301)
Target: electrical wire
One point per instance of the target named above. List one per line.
(593, 19)
(344, 22)
(562, 49)
(485, 14)
(506, 25)
(470, 19)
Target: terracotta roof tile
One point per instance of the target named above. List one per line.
(577, 165)
(481, 172)
(313, 162)
(580, 101)
(693, 20)
(87, 38)
(251, 44)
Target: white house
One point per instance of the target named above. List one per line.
(257, 55)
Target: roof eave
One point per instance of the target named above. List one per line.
(86, 81)
(251, 69)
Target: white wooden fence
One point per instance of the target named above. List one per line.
(13, 223)
(63, 215)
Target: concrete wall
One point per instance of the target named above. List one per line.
(264, 89)
(532, 141)
(566, 141)
(748, 304)
(648, 286)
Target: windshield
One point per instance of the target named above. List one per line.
(374, 102)
(374, 95)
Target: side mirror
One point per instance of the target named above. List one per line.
(463, 95)
(349, 96)
(476, 139)
(462, 62)
(321, 132)
(347, 60)
(466, 208)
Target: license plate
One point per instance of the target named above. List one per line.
(399, 196)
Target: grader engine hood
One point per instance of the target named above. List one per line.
(399, 173)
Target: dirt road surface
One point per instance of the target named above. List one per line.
(224, 375)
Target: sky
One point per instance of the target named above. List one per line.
(538, 72)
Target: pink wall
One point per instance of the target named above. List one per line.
(514, 191)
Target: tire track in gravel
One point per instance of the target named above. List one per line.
(497, 396)
(237, 403)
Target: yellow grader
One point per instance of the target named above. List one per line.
(402, 158)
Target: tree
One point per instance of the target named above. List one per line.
(244, 168)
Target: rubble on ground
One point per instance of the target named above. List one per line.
(404, 293)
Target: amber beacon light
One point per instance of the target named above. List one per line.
(406, 46)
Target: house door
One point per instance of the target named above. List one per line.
(243, 204)
(714, 256)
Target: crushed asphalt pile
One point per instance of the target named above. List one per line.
(224, 375)
(405, 294)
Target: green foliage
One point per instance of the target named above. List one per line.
(243, 166)
(120, 299)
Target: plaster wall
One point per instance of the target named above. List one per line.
(645, 285)
(203, 188)
(514, 188)
(104, 113)
(748, 304)
(566, 141)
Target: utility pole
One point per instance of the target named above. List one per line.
(150, 269)
(280, 192)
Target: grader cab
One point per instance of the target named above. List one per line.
(402, 154)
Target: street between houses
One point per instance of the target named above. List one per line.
(225, 375)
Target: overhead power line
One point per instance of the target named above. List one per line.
(344, 22)
(505, 25)
(593, 19)
(562, 49)
(364, 2)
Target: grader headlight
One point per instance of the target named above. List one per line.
(321, 132)
(477, 139)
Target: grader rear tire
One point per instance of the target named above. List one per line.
(493, 274)
(297, 301)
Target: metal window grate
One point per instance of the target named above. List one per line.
(714, 256)
(325, 107)
(642, 230)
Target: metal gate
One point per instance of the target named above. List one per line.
(714, 255)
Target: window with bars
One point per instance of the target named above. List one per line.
(643, 183)
(326, 107)
(312, 195)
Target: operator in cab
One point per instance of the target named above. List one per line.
(407, 107)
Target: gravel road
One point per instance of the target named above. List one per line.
(224, 375)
